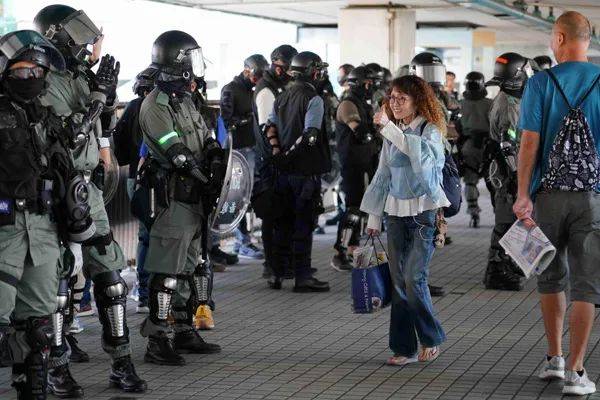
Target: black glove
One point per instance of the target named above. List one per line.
(282, 162)
(107, 77)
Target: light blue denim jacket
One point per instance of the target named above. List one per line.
(410, 174)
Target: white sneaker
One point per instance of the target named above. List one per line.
(76, 326)
(553, 369)
(578, 385)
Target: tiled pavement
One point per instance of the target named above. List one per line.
(279, 345)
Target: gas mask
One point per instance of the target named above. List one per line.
(81, 225)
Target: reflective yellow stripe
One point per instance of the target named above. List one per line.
(166, 137)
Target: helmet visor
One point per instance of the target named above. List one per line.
(14, 44)
(431, 73)
(81, 29)
(196, 60)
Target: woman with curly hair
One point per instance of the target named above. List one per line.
(408, 188)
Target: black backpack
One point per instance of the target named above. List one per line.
(451, 182)
(573, 165)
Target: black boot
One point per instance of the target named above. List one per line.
(190, 341)
(123, 376)
(310, 285)
(275, 283)
(62, 384)
(502, 276)
(161, 351)
(77, 354)
(31, 378)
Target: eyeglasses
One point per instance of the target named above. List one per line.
(26, 73)
(399, 99)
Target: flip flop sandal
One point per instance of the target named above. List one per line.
(399, 361)
(433, 354)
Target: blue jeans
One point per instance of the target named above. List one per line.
(410, 243)
(142, 249)
(86, 298)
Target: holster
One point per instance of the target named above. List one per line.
(186, 189)
(98, 175)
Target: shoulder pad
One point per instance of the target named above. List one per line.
(163, 99)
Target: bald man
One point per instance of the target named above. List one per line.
(566, 210)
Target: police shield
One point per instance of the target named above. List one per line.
(235, 195)
(111, 178)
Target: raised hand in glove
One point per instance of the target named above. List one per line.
(107, 77)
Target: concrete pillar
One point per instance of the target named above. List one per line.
(381, 34)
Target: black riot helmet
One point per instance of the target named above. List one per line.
(144, 81)
(358, 76)
(544, 62)
(305, 64)
(511, 73)
(376, 73)
(284, 53)
(256, 64)
(71, 31)
(177, 55)
(28, 45)
(429, 67)
(474, 82)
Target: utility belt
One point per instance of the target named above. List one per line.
(42, 204)
(99, 242)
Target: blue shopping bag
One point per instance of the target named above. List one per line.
(371, 287)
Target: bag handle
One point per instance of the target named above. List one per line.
(372, 238)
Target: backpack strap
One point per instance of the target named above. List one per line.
(553, 77)
(589, 91)
(422, 127)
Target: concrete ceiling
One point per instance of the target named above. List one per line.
(430, 12)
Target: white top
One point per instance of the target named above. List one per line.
(264, 105)
(403, 207)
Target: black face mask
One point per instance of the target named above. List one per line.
(284, 77)
(24, 90)
(179, 87)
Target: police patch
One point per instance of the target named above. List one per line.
(5, 207)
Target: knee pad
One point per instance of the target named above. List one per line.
(111, 291)
(349, 225)
(201, 283)
(162, 287)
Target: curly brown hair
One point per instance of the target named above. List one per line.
(427, 104)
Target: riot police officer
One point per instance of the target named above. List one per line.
(357, 149)
(43, 202)
(474, 133)
(301, 155)
(271, 86)
(90, 98)
(377, 75)
(189, 170)
(510, 73)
